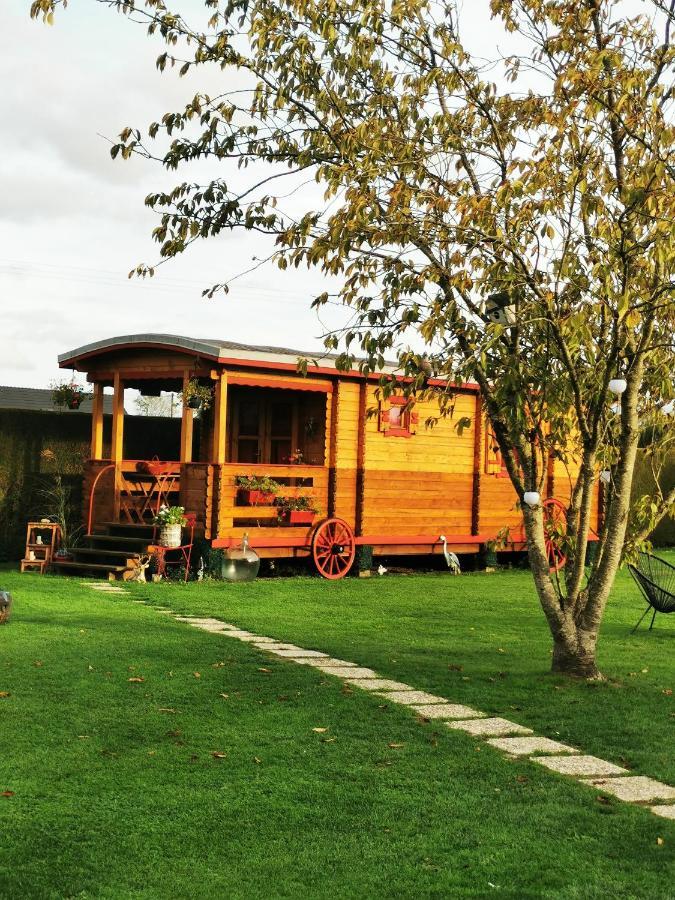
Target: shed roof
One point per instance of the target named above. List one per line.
(40, 400)
(210, 348)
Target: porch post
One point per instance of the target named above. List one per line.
(97, 422)
(220, 419)
(186, 425)
(117, 452)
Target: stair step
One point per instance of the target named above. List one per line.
(90, 567)
(128, 528)
(117, 540)
(97, 551)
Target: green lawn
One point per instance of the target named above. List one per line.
(116, 791)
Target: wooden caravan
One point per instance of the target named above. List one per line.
(373, 471)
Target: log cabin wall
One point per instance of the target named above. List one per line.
(345, 441)
(422, 483)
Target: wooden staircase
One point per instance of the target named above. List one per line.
(112, 551)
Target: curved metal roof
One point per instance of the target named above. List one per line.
(206, 347)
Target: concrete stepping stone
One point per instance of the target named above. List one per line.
(345, 671)
(296, 654)
(277, 645)
(666, 812)
(489, 727)
(636, 789)
(208, 626)
(412, 698)
(334, 663)
(524, 746)
(579, 765)
(447, 711)
(266, 643)
(378, 684)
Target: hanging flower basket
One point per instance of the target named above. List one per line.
(68, 394)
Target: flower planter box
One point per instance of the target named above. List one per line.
(247, 497)
(298, 516)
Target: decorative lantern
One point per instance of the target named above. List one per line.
(5, 606)
(617, 385)
(605, 476)
(532, 498)
(241, 563)
(499, 309)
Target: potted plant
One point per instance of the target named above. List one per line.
(196, 395)
(68, 394)
(296, 510)
(170, 520)
(256, 490)
(296, 458)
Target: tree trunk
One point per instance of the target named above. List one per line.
(574, 653)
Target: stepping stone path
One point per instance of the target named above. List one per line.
(560, 758)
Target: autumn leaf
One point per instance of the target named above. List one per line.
(6, 793)
(256, 759)
(5, 693)
(395, 746)
(320, 730)
(136, 678)
(667, 692)
(38, 663)
(165, 709)
(218, 754)
(264, 670)
(660, 842)
(197, 674)
(225, 696)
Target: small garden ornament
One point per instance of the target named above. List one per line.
(5, 607)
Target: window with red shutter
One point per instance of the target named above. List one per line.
(396, 418)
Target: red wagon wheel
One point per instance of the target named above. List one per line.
(555, 523)
(333, 548)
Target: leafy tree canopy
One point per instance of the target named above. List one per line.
(542, 181)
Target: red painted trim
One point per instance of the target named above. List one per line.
(298, 385)
(419, 539)
(267, 542)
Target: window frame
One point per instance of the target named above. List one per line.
(408, 418)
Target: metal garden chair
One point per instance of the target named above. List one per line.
(656, 579)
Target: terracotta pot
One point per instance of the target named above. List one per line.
(170, 535)
(75, 403)
(299, 516)
(255, 498)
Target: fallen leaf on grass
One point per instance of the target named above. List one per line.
(218, 665)
(256, 759)
(522, 779)
(667, 692)
(217, 754)
(455, 668)
(395, 746)
(5, 693)
(38, 663)
(136, 678)
(225, 696)
(7, 794)
(320, 730)
(165, 709)
(659, 842)
(330, 740)
(263, 669)
(346, 690)
(197, 674)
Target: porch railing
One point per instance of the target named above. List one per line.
(294, 481)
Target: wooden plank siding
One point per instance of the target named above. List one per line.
(422, 484)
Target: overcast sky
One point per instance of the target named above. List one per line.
(73, 223)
